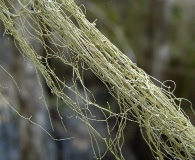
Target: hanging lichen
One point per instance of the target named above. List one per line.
(78, 43)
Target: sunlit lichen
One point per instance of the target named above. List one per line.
(64, 25)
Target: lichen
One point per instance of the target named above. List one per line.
(63, 23)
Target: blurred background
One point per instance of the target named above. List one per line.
(158, 35)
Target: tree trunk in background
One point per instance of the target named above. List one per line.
(35, 143)
(162, 49)
(156, 40)
(155, 53)
(20, 139)
(148, 38)
(9, 124)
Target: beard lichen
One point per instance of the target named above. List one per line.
(77, 43)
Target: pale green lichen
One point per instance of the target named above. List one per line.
(63, 23)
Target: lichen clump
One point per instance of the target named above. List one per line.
(77, 43)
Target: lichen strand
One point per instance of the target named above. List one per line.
(163, 125)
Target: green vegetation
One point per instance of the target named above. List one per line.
(78, 44)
